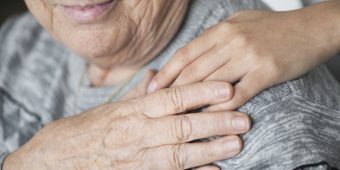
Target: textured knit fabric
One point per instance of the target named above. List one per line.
(295, 124)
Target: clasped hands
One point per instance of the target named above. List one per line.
(141, 132)
(223, 68)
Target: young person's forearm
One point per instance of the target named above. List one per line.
(327, 16)
(334, 7)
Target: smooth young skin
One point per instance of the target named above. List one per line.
(255, 50)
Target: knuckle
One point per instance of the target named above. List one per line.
(242, 39)
(273, 68)
(183, 55)
(255, 55)
(175, 100)
(182, 128)
(255, 59)
(126, 130)
(226, 28)
(178, 159)
(188, 73)
(205, 152)
(162, 77)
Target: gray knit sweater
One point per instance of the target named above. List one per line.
(295, 124)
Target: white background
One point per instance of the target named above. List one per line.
(283, 5)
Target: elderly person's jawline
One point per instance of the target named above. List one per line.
(115, 37)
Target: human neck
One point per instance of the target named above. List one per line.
(100, 77)
(145, 45)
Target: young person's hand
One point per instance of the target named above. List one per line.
(255, 50)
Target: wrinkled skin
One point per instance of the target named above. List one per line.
(132, 33)
(115, 46)
(143, 133)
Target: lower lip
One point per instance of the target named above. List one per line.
(88, 14)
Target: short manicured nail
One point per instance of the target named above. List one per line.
(232, 146)
(240, 123)
(223, 92)
(152, 86)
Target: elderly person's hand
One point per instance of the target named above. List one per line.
(256, 50)
(148, 132)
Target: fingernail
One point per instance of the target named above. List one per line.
(240, 123)
(223, 92)
(152, 87)
(232, 146)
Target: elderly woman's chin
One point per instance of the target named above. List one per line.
(103, 48)
(101, 43)
(111, 33)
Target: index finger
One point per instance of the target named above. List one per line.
(180, 60)
(180, 99)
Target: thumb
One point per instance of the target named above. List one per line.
(141, 88)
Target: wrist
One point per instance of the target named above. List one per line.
(326, 25)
